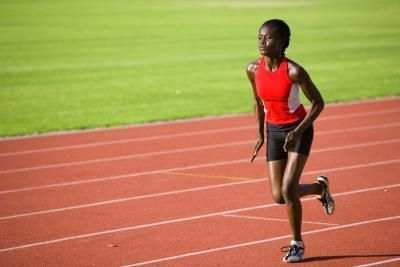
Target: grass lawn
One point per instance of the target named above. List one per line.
(90, 63)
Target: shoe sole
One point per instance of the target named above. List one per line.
(292, 261)
(324, 180)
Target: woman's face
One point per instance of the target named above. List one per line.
(270, 42)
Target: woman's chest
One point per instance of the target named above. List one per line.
(272, 86)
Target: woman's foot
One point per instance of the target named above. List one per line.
(326, 198)
(295, 252)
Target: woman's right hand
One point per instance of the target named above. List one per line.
(257, 147)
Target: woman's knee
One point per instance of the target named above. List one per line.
(289, 193)
(278, 198)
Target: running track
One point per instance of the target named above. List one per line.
(183, 194)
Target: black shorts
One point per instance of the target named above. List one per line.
(276, 135)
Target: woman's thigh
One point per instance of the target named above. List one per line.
(294, 168)
(276, 170)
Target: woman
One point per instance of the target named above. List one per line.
(276, 81)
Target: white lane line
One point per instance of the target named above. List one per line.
(159, 153)
(262, 241)
(125, 127)
(118, 200)
(181, 121)
(177, 135)
(273, 219)
(220, 163)
(223, 130)
(335, 148)
(357, 166)
(185, 219)
(360, 114)
(125, 176)
(378, 262)
(113, 201)
(128, 140)
(363, 101)
(361, 128)
(102, 160)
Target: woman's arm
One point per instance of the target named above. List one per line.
(299, 74)
(258, 108)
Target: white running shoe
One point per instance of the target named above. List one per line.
(326, 198)
(295, 252)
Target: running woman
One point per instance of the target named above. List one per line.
(276, 81)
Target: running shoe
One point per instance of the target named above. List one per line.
(295, 252)
(326, 198)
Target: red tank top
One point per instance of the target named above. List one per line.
(279, 94)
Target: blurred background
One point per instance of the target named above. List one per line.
(82, 64)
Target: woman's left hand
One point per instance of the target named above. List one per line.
(291, 139)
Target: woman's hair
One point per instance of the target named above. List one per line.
(283, 31)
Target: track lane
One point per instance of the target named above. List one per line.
(143, 164)
(88, 249)
(81, 221)
(134, 244)
(26, 200)
(321, 155)
(265, 252)
(118, 133)
(131, 149)
(113, 134)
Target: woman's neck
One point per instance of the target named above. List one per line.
(272, 63)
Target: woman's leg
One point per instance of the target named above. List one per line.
(290, 191)
(309, 189)
(276, 170)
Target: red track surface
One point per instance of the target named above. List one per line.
(183, 194)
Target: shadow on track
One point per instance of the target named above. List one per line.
(326, 258)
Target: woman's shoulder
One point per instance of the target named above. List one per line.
(252, 66)
(295, 70)
(292, 64)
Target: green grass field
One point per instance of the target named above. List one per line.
(81, 64)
